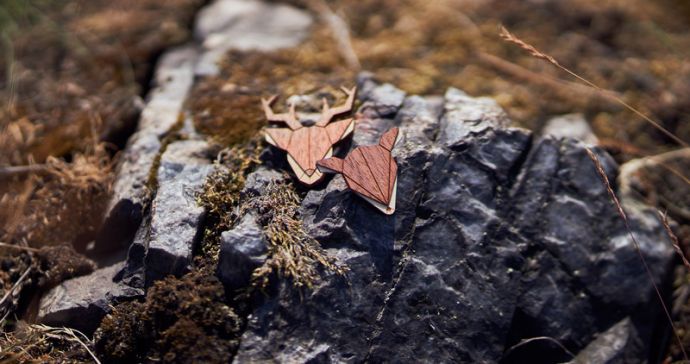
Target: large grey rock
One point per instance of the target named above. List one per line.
(242, 250)
(131, 193)
(496, 238)
(82, 302)
(246, 25)
(176, 217)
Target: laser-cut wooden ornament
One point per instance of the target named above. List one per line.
(305, 145)
(370, 171)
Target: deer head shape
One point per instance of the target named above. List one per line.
(305, 145)
(369, 171)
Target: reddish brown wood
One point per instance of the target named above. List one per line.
(305, 145)
(369, 171)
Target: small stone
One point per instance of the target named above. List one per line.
(256, 182)
(242, 249)
(81, 303)
(570, 126)
(619, 344)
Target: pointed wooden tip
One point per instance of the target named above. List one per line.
(330, 165)
(389, 138)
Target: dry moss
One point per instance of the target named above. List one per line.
(221, 194)
(64, 205)
(182, 320)
(293, 254)
(228, 106)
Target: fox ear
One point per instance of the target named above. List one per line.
(330, 165)
(389, 138)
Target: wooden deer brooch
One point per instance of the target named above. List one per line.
(370, 171)
(307, 144)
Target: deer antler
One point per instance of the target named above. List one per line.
(289, 118)
(327, 114)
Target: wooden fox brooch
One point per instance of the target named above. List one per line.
(370, 171)
(305, 145)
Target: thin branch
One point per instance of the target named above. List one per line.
(14, 286)
(539, 338)
(18, 247)
(559, 86)
(621, 212)
(9, 171)
(509, 37)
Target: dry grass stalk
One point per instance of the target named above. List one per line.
(624, 216)
(538, 338)
(5, 305)
(41, 343)
(561, 87)
(533, 51)
(674, 239)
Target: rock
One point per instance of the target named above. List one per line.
(246, 25)
(173, 80)
(82, 302)
(619, 344)
(496, 238)
(570, 126)
(384, 100)
(175, 215)
(468, 115)
(257, 181)
(242, 250)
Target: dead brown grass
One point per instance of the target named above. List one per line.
(45, 344)
(533, 51)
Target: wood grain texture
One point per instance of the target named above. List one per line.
(370, 171)
(305, 145)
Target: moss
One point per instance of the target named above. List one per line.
(182, 320)
(293, 254)
(172, 135)
(228, 107)
(221, 195)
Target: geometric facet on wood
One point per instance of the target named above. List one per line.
(370, 171)
(305, 145)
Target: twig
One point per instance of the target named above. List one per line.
(674, 239)
(19, 247)
(340, 30)
(623, 215)
(538, 338)
(71, 332)
(14, 286)
(509, 37)
(9, 171)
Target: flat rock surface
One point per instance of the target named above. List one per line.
(82, 302)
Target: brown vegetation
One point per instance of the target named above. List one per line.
(182, 320)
